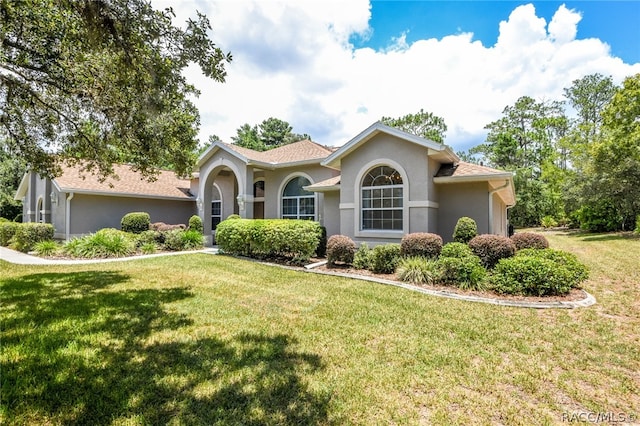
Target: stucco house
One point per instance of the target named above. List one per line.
(375, 188)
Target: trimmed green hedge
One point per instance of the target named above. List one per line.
(7, 231)
(135, 222)
(28, 234)
(265, 238)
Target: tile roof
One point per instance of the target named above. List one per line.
(327, 183)
(291, 153)
(464, 169)
(129, 182)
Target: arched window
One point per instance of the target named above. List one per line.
(258, 190)
(216, 208)
(296, 202)
(382, 194)
(40, 211)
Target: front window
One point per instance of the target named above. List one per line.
(382, 195)
(296, 202)
(216, 208)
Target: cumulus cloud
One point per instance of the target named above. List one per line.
(293, 60)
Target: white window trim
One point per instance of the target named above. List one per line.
(357, 191)
(284, 183)
(221, 204)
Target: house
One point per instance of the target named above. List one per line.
(380, 185)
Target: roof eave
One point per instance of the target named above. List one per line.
(213, 148)
(328, 188)
(473, 178)
(125, 194)
(22, 188)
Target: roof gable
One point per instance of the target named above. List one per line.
(377, 128)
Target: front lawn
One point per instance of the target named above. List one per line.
(205, 339)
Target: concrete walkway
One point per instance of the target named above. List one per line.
(20, 258)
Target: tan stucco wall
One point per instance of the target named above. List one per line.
(462, 199)
(90, 213)
(331, 213)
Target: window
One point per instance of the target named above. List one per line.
(258, 189)
(382, 195)
(216, 208)
(296, 202)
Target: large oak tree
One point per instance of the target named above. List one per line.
(100, 81)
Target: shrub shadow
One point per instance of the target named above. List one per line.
(77, 349)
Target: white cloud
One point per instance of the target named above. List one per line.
(292, 60)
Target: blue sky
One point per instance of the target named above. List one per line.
(333, 67)
(614, 22)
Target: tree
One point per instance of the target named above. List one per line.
(423, 124)
(100, 81)
(271, 133)
(12, 168)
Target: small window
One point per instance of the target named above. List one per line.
(258, 189)
(297, 203)
(382, 199)
(216, 208)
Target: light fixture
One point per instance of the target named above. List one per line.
(54, 197)
(240, 200)
(199, 204)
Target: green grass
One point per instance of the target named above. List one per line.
(204, 339)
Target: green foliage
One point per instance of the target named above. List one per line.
(423, 124)
(103, 81)
(530, 276)
(340, 248)
(548, 222)
(465, 229)
(105, 243)
(464, 272)
(195, 224)
(149, 237)
(456, 250)
(362, 257)
(12, 168)
(233, 216)
(135, 222)
(262, 238)
(46, 248)
(418, 270)
(525, 240)
(422, 244)
(602, 215)
(180, 240)
(577, 271)
(637, 230)
(28, 234)
(7, 231)
(148, 248)
(385, 258)
(491, 248)
(321, 251)
(271, 133)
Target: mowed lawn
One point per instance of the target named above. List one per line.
(203, 339)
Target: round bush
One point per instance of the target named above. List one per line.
(340, 248)
(418, 270)
(7, 231)
(529, 240)
(464, 272)
(422, 244)
(385, 258)
(530, 276)
(578, 272)
(456, 250)
(465, 229)
(135, 222)
(491, 248)
(28, 234)
(195, 224)
(362, 258)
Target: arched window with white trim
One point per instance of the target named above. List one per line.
(382, 199)
(297, 203)
(216, 207)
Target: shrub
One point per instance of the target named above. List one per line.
(465, 272)
(422, 244)
(456, 250)
(46, 248)
(578, 272)
(105, 243)
(7, 231)
(548, 222)
(321, 251)
(529, 240)
(149, 237)
(491, 248)
(294, 239)
(28, 234)
(418, 270)
(465, 229)
(385, 258)
(362, 258)
(195, 224)
(340, 248)
(148, 248)
(530, 276)
(637, 230)
(135, 222)
(180, 239)
(163, 227)
(192, 239)
(233, 216)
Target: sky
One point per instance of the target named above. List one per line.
(332, 68)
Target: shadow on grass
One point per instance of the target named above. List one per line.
(585, 236)
(79, 349)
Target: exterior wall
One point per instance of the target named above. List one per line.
(462, 199)
(331, 213)
(499, 217)
(417, 171)
(90, 213)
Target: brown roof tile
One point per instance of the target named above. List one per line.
(290, 153)
(466, 169)
(129, 182)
